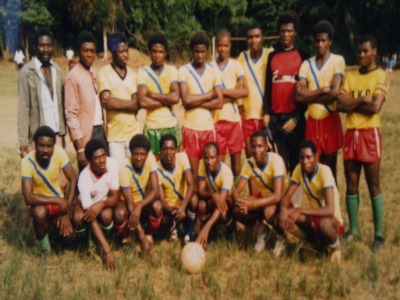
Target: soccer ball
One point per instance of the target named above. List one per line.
(193, 258)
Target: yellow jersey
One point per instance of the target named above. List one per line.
(231, 72)
(160, 83)
(174, 182)
(46, 181)
(137, 181)
(314, 187)
(357, 84)
(274, 168)
(199, 118)
(319, 77)
(121, 126)
(254, 72)
(222, 181)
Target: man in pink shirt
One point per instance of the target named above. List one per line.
(82, 104)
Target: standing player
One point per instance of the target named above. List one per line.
(158, 91)
(98, 186)
(177, 187)
(227, 119)
(117, 83)
(139, 184)
(319, 215)
(40, 94)
(82, 103)
(201, 93)
(283, 116)
(214, 189)
(320, 78)
(40, 171)
(362, 97)
(254, 62)
(267, 170)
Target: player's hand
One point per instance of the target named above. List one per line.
(326, 89)
(367, 99)
(242, 203)
(63, 204)
(24, 150)
(180, 212)
(64, 226)
(227, 100)
(82, 162)
(145, 246)
(289, 126)
(220, 203)
(92, 212)
(203, 236)
(301, 86)
(292, 218)
(283, 215)
(242, 111)
(110, 260)
(134, 217)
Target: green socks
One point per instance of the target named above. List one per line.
(377, 210)
(352, 202)
(44, 244)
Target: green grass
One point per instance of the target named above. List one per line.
(232, 270)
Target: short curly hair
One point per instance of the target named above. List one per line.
(289, 17)
(157, 38)
(323, 27)
(199, 38)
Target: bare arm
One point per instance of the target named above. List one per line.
(36, 199)
(326, 211)
(373, 107)
(202, 190)
(240, 90)
(105, 246)
(169, 99)
(216, 102)
(346, 103)
(191, 100)
(69, 172)
(112, 103)
(324, 95)
(191, 189)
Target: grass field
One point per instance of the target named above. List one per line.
(232, 270)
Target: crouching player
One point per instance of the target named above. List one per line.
(177, 187)
(40, 171)
(265, 174)
(319, 215)
(98, 187)
(215, 182)
(139, 184)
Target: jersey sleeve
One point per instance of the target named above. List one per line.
(173, 74)
(124, 177)
(278, 167)
(185, 162)
(217, 81)
(239, 70)
(345, 86)
(202, 170)
(339, 67)
(62, 158)
(383, 84)
(328, 181)
(26, 169)
(183, 74)
(104, 83)
(246, 170)
(84, 190)
(296, 176)
(141, 78)
(152, 162)
(160, 178)
(303, 72)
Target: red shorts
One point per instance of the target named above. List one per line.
(229, 136)
(249, 126)
(315, 225)
(364, 145)
(194, 141)
(52, 209)
(326, 133)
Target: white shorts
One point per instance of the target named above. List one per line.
(119, 151)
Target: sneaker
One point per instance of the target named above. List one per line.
(149, 237)
(186, 239)
(335, 256)
(173, 235)
(280, 247)
(127, 241)
(260, 238)
(378, 243)
(350, 237)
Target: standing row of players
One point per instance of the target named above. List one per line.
(226, 101)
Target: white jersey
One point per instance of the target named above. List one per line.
(93, 188)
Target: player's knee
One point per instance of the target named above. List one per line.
(106, 217)
(202, 207)
(269, 212)
(77, 218)
(39, 214)
(120, 214)
(326, 226)
(157, 208)
(193, 203)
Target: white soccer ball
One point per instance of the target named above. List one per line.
(193, 258)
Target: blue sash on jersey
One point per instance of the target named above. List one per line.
(136, 182)
(259, 177)
(41, 175)
(223, 85)
(158, 87)
(309, 190)
(253, 75)
(172, 184)
(210, 181)
(317, 83)
(195, 78)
